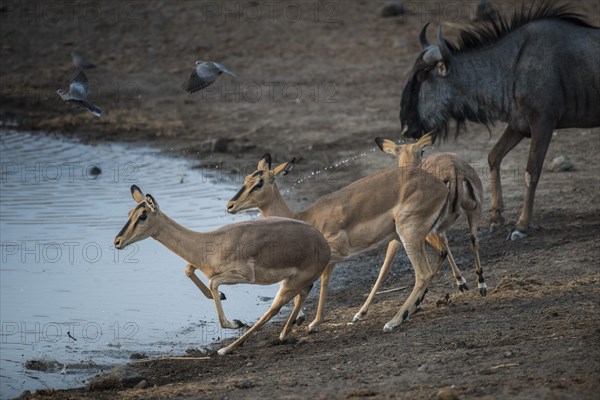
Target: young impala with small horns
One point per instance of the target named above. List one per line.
(379, 208)
(466, 196)
(262, 252)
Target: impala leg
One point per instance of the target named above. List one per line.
(439, 241)
(541, 134)
(190, 272)
(473, 222)
(325, 277)
(509, 139)
(393, 247)
(226, 278)
(283, 296)
(423, 276)
(298, 302)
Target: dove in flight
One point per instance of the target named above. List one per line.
(78, 91)
(205, 73)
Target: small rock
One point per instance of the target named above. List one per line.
(245, 384)
(43, 365)
(392, 9)
(143, 384)
(561, 163)
(193, 352)
(122, 376)
(422, 368)
(447, 394)
(138, 356)
(95, 171)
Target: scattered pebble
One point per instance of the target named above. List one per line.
(245, 384)
(561, 163)
(392, 9)
(138, 356)
(143, 384)
(447, 394)
(122, 376)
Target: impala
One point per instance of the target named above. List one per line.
(261, 252)
(395, 204)
(466, 195)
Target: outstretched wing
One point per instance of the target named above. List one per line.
(197, 82)
(224, 69)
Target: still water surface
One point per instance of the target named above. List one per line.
(60, 274)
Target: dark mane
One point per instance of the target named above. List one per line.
(491, 31)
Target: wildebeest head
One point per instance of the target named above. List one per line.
(427, 95)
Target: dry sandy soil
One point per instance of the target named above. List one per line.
(319, 80)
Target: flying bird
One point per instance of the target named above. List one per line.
(78, 91)
(80, 61)
(205, 73)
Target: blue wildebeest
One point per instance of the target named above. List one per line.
(538, 72)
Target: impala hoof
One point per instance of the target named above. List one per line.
(357, 317)
(388, 327)
(462, 284)
(239, 324)
(223, 351)
(482, 289)
(222, 296)
(300, 320)
(313, 328)
(516, 235)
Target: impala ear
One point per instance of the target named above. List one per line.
(284, 168)
(151, 203)
(137, 194)
(265, 163)
(386, 145)
(426, 141)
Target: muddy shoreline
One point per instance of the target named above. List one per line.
(330, 82)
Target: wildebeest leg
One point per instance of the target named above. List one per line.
(541, 134)
(509, 139)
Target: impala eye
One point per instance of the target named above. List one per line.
(143, 216)
(258, 185)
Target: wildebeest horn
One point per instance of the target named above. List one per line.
(423, 37)
(445, 51)
(432, 55)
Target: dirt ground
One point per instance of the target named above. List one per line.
(318, 81)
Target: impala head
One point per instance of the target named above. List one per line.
(140, 224)
(407, 154)
(259, 186)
